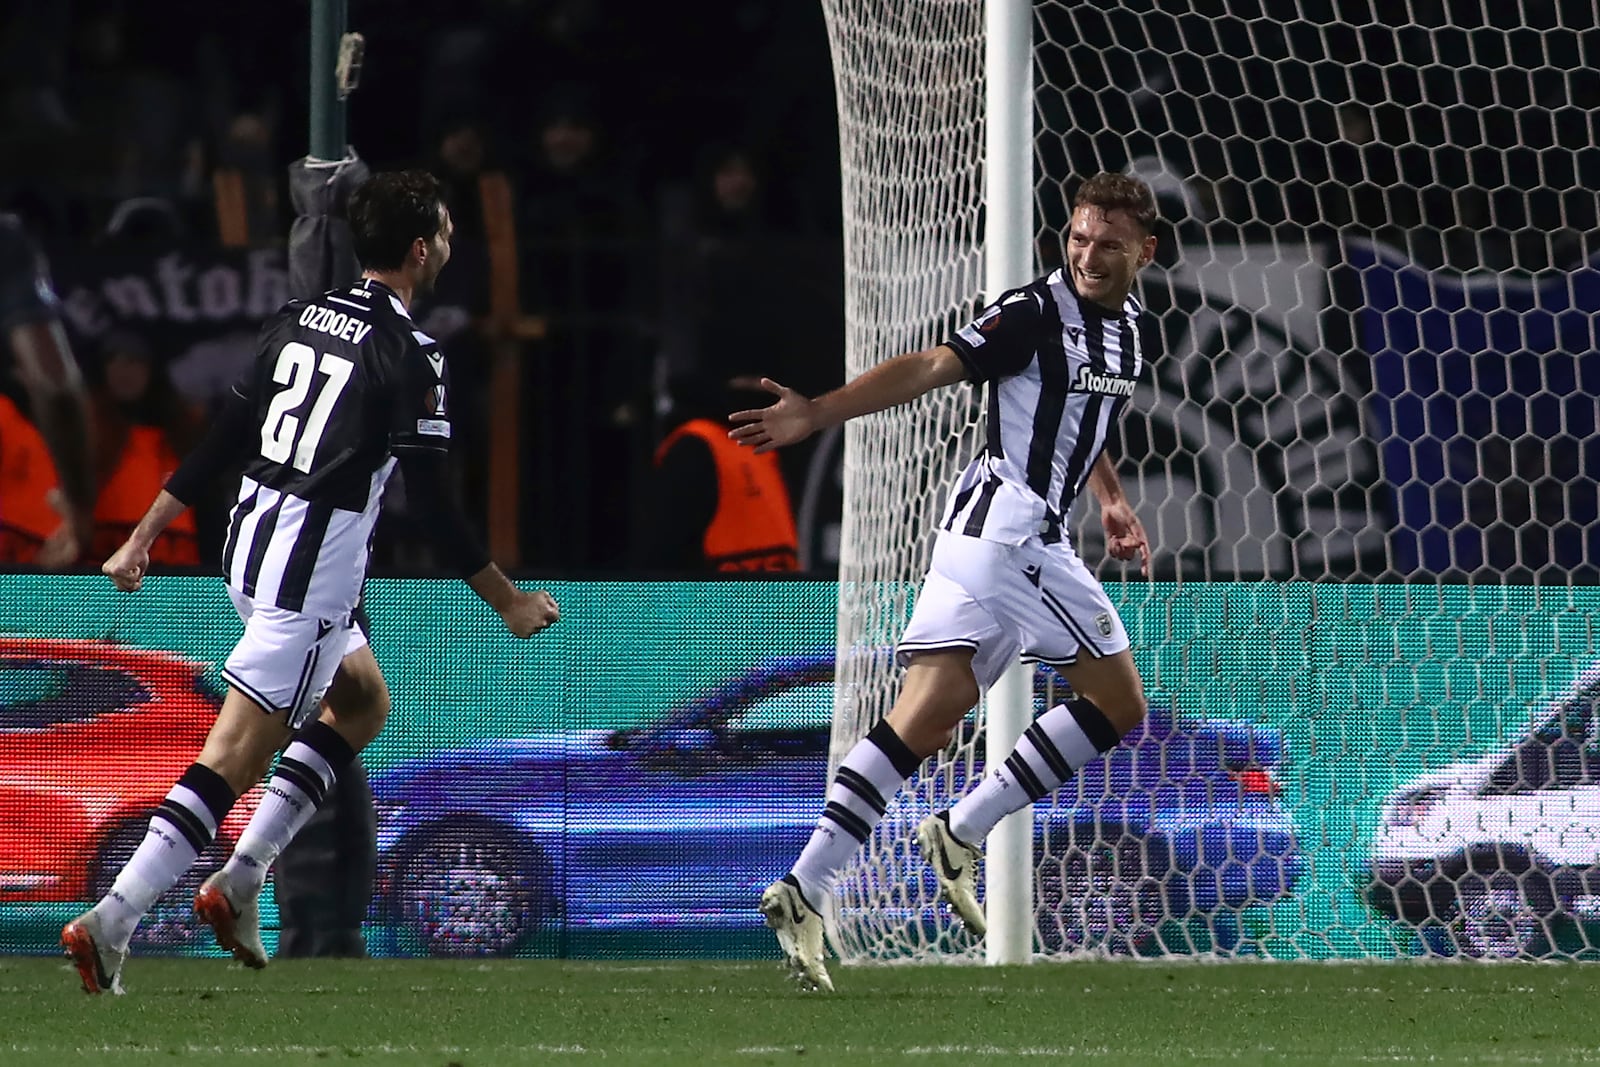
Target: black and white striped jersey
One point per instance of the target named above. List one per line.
(341, 385)
(1060, 371)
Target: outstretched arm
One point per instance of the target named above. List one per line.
(895, 381)
(1125, 537)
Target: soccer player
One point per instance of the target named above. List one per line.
(30, 325)
(1062, 356)
(344, 388)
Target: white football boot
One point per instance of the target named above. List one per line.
(234, 917)
(955, 864)
(800, 932)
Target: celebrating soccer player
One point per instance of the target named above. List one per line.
(1062, 356)
(344, 387)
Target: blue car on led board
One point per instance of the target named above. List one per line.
(564, 843)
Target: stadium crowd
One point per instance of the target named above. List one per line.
(659, 170)
(670, 189)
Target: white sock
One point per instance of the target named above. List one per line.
(869, 777)
(181, 828)
(1049, 752)
(299, 784)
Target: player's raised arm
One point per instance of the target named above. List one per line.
(895, 381)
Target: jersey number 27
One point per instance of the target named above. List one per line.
(283, 434)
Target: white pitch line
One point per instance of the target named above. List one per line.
(306, 1050)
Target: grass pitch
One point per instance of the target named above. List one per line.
(467, 1014)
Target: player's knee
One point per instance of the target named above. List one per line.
(359, 717)
(1138, 707)
(378, 710)
(374, 708)
(1125, 709)
(926, 726)
(240, 767)
(924, 739)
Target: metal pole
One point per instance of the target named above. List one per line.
(1007, 263)
(328, 138)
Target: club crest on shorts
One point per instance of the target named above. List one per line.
(1102, 622)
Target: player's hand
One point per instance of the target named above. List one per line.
(530, 612)
(1125, 536)
(127, 566)
(790, 420)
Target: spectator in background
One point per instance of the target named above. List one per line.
(733, 208)
(715, 506)
(43, 364)
(580, 238)
(722, 236)
(576, 212)
(33, 65)
(247, 183)
(137, 125)
(27, 478)
(716, 278)
(142, 429)
(462, 154)
(143, 226)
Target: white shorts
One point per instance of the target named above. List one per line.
(285, 661)
(1002, 601)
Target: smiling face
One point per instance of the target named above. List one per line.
(1105, 249)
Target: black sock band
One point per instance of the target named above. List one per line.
(326, 742)
(1094, 724)
(902, 758)
(213, 789)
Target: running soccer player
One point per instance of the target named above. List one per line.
(1062, 356)
(344, 387)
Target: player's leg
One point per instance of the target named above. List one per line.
(1077, 630)
(949, 631)
(235, 755)
(938, 691)
(352, 713)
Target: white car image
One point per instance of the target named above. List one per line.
(1499, 857)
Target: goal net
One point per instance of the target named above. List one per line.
(1366, 456)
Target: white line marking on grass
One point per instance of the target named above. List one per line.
(1571, 1055)
(340, 1050)
(997, 1050)
(868, 1054)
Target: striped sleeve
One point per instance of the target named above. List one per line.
(1002, 340)
(422, 398)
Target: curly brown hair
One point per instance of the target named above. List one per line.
(1119, 192)
(390, 210)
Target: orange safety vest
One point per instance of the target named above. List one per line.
(142, 470)
(753, 528)
(27, 475)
